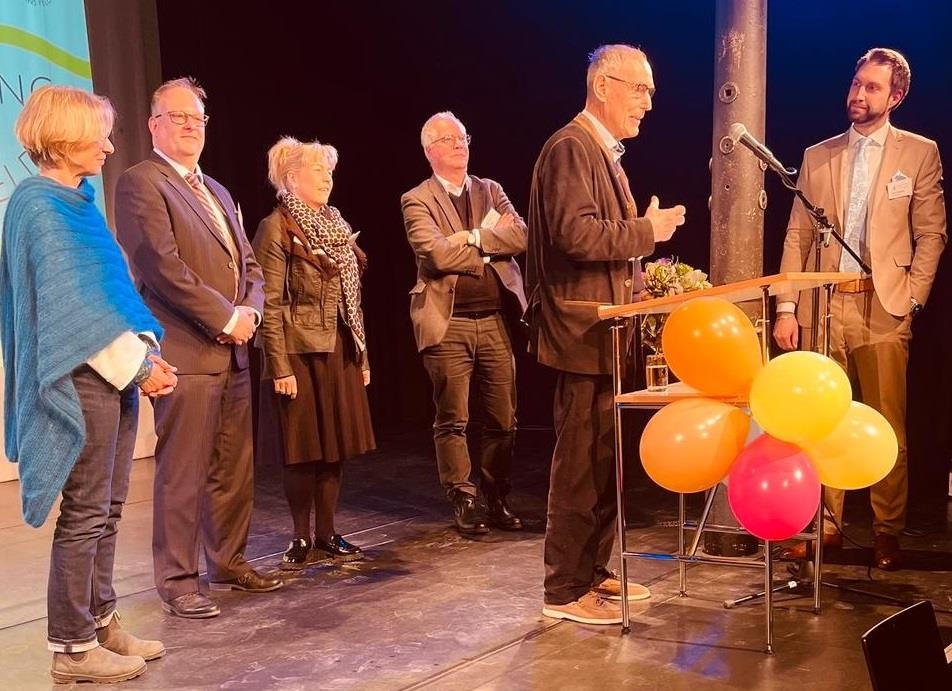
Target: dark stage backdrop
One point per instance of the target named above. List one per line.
(364, 77)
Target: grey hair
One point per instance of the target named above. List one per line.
(606, 58)
(426, 134)
(188, 83)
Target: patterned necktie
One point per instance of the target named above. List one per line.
(854, 230)
(215, 215)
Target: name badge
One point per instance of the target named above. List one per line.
(900, 185)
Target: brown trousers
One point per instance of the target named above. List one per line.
(872, 345)
(204, 484)
(580, 527)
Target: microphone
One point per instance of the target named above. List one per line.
(738, 133)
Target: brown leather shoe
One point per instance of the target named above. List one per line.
(886, 553)
(804, 550)
(250, 582)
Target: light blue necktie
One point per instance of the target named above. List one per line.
(854, 230)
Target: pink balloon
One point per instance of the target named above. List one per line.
(774, 490)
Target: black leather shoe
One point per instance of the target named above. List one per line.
(191, 606)
(296, 555)
(250, 582)
(469, 520)
(501, 516)
(337, 546)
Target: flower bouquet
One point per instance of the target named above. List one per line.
(667, 276)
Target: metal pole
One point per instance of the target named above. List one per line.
(738, 198)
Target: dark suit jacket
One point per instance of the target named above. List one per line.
(581, 234)
(429, 217)
(906, 233)
(183, 267)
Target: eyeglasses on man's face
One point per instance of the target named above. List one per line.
(454, 139)
(633, 88)
(180, 117)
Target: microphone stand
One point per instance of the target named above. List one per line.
(824, 230)
(804, 573)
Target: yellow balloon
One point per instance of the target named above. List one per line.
(689, 445)
(711, 345)
(859, 452)
(800, 397)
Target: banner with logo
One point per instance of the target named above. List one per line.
(41, 42)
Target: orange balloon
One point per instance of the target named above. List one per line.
(711, 345)
(859, 452)
(689, 445)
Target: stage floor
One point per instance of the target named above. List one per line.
(430, 609)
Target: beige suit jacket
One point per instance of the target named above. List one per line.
(430, 218)
(906, 231)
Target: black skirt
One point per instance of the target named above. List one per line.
(329, 420)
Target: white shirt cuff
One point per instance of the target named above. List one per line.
(119, 361)
(232, 323)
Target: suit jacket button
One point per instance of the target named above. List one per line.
(231, 265)
(628, 283)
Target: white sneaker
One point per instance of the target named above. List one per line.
(591, 608)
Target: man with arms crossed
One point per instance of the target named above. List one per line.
(465, 233)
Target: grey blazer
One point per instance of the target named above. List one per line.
(429, 217)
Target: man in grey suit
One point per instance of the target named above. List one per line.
(583, 228)
(196, 271)
(465, 233)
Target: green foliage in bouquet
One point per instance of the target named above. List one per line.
(663, 277)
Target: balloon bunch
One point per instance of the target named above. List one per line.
(803, 430)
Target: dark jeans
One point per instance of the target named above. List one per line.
(80, 595)
(580, 527)
(471, 348)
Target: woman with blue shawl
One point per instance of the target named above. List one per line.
(78, 348)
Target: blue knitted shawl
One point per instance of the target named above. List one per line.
(65, 294)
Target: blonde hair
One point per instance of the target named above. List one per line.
(426, 134)
(56, 120)
(606, 58)
(289, 155)
(188, 83)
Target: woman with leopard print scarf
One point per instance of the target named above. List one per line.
(314, 411)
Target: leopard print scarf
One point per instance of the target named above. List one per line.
(327, 230)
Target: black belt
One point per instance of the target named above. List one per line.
(476, 315)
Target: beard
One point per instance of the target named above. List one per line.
(859, 115)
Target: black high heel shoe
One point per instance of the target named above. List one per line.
(337, 546)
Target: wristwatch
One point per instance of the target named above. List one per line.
(915, 307)
(145, 370)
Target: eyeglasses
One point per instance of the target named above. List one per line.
(640, 89)
(453, 139)
(180, 117)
